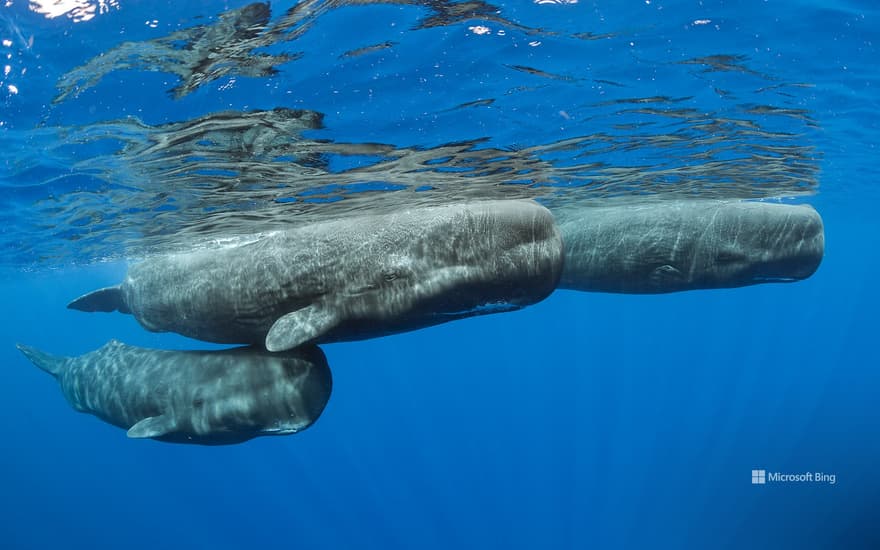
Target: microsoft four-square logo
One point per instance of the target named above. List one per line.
(759, 477)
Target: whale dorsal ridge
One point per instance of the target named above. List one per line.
(300, 326)
(152, 426)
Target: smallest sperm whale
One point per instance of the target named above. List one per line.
(200, 397)
(669, 246)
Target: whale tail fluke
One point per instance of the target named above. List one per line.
(104, 299)
(46, 361)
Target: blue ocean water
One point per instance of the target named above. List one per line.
(587, 420)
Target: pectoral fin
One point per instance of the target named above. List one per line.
(152, 426)
(52, 364)
(300, 326)
(104, 299)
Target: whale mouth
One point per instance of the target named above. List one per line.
(780, 279)
(491, 307)
(789, 269)
(279, 431)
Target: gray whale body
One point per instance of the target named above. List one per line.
(348, 279)
(668, 246)
(201, 397)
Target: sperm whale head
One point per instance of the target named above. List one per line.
(669, 246)
(752, 243)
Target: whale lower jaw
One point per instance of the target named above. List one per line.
(493, 307)
(758, 280)
(280, 431)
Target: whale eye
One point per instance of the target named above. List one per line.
(198, 402)
(390, 275)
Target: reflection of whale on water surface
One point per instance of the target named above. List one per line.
(668, 246)
(348, 279)
(204, 397)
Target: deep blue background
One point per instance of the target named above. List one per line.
(589, 420)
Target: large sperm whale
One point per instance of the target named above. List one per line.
(348, 279)
(667, 246)
(203, 397)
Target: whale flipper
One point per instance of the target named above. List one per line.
(300, 326)
(46, 361)
(104, 299)
(152, 426)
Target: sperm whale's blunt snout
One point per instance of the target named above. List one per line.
(793, 246)
(746, 243)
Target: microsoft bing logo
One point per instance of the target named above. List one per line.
(761, 477)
